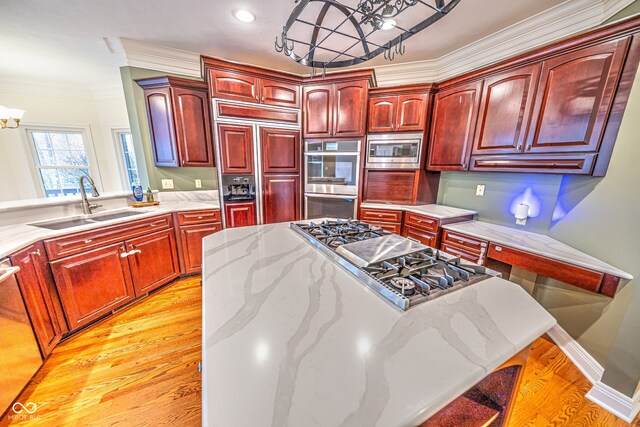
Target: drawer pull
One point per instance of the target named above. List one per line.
(133, 252)
(199, 217)
(88, 241)
(498, 248)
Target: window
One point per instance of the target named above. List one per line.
(128, 162)
(60, 157)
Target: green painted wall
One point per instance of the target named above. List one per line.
(598, 216)
(183, 178)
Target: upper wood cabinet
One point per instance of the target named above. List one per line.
(40, 296)
(574, 99)
(455, 113)
(179, 121)
(252, 84)
(398, 113)
(505, 111)
(280, 150)
(236, 148)
(335, 109)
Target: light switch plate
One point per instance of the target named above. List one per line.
(480, 190)
(167, 184)
(198, 183)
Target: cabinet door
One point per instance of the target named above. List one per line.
(574, 98)
(240, 214)
(318, 111)
(281, 94)
(382, 114)
(236, 148)
(161, 126)
(280, 150)
(153, 260)
(412, 112)
(505, 110)
(36, 286)
(193, 128)
(390, 186)
(350, 108)
(424, 237)
(454, 120)
(92, 284)
(191, 243)
(281, 198)
(236, 86)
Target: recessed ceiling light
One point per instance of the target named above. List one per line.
(244, 15)
(388, 24)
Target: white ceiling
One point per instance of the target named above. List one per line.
(62, 41)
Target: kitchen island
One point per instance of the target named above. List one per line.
(291, 338)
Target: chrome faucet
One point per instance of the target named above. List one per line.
(86, 206)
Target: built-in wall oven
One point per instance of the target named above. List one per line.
(393, 151)
(332, 176)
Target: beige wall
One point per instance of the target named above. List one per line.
(57, 110)
(183, 178)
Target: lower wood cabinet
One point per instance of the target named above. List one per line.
(153, 260)
(191, 243)
(40, 296)
(424, 237)
(240, 214)
(281, 198)
(93, 283)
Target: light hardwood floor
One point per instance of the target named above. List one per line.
(140, 367)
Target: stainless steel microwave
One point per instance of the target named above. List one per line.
(385, 151)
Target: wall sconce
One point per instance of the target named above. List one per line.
(7, 114)
(522, 213)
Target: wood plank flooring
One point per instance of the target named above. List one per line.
(140, 368)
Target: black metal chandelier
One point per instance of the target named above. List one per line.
(330, 34)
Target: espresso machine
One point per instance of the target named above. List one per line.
(238, 188)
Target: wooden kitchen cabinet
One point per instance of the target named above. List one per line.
(233, 85)
(280, 150)
(574, 98)
(455, 113)
(390, 186)
(424, 237)
(397, 113)
(153, 260)
(179, 121)
(191, 241)
(389, 220)
(236, 148)
(279, 93)
(40, 296)
(281, 198)
(243, 85)
(505, 111)
(335, 109)
(93, 283)
(240, 214)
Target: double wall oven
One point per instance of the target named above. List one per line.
(332, 176)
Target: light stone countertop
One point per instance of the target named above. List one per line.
(17, 236)
(538, 244)
(434, 211)
(291, 338)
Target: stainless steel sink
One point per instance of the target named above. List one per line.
(115, 215)
(76, 221)
(61, 224)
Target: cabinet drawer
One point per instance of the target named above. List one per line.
(420, 221)
(567, 273)
(462, 253)
(80, 242)
(198, 217)
(424, 237)
(368, 215)
(393, 227)
(462, 240)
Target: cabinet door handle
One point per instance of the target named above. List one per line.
(124, 254)
(519, 148)
(36, 252)
(529, 147)
(264, 98)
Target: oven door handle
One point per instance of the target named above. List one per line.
(332, 196)
(332, 153)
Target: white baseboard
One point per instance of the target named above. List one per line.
(578, 355)
(612, 400)
(621, 405)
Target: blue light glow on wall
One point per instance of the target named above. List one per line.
(528, 197)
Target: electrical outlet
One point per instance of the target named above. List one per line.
(480, 190)
(198, 183)
(167, 184)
